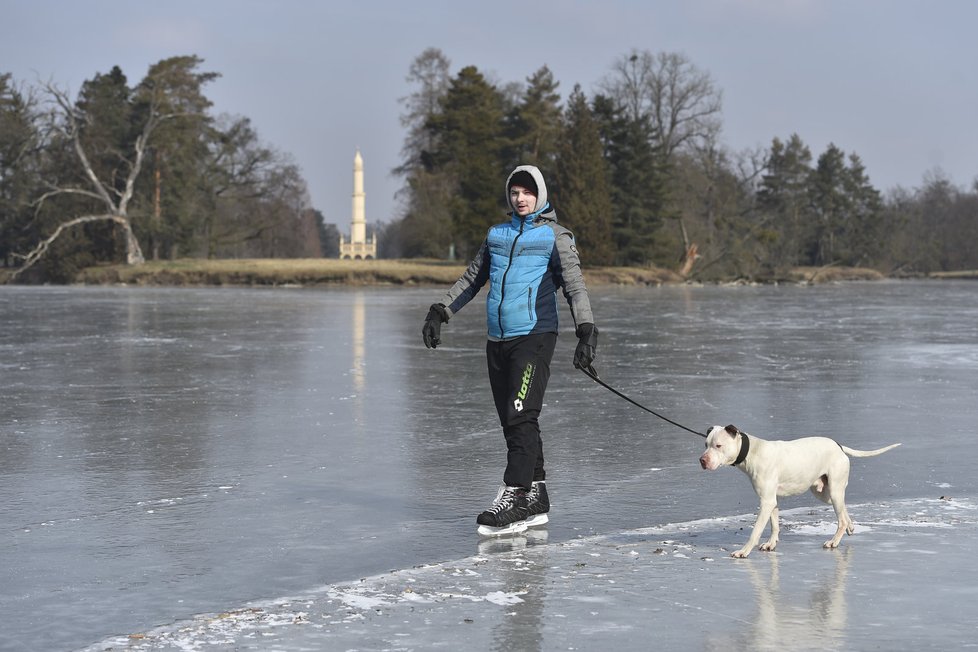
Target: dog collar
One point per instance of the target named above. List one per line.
(744, 447)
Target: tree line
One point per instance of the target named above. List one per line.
(133, 172)
(637, 170)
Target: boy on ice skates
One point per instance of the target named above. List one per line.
(525, 261)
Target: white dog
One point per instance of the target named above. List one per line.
(785, 468)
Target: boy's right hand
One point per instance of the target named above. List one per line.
(431, 331)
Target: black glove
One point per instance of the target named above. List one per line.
(587, 345)
(431, 331)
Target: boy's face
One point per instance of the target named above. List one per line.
(523, 200)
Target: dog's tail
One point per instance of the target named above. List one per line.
(852, 452)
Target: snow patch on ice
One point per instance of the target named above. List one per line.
(502, 598)
(358, 601)
(820, 528)
(588, 598)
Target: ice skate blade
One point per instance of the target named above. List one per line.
(512, 528)
(537, 520)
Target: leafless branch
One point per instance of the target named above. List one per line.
(37, 252)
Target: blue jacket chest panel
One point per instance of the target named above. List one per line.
(522, 297)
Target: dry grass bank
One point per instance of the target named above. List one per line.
(274, 272)
(829, 274)
(969, 274)
(326, 271)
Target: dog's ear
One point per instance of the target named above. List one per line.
(732, 430)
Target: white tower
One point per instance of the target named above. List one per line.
(358, 247)
(358, 227)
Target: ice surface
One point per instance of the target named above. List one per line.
(667, 587)
(172, 462)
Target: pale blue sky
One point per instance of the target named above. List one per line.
(895, 81)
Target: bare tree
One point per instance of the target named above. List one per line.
(679, 100)
(717, 200)
(680, 107)
(67, 121)
(430, 73)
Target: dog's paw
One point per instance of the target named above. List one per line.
(769, 546)
(740, 554)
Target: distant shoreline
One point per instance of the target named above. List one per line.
(312, 272)
(409, 272)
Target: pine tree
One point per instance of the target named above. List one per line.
(782, 199)
(20, 139)
(830, 205)
(536, 122)
(637, 181)
(469, 133)
(863, 226)
(172, 200)
(581, 187)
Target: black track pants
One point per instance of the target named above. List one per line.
(518, 373)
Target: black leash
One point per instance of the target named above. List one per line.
(593, 375)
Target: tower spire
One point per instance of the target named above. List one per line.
(358, 247)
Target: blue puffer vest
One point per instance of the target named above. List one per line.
(522, 293)
(525, 261)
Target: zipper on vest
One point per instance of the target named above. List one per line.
(502, 289)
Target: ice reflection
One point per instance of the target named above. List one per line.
(359, 342)
(521, 592)
(784, 623)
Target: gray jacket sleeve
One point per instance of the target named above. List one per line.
(570, 277)
(469, 283)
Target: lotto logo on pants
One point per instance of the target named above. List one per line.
(524, 387)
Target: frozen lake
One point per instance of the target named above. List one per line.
(172, 452)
